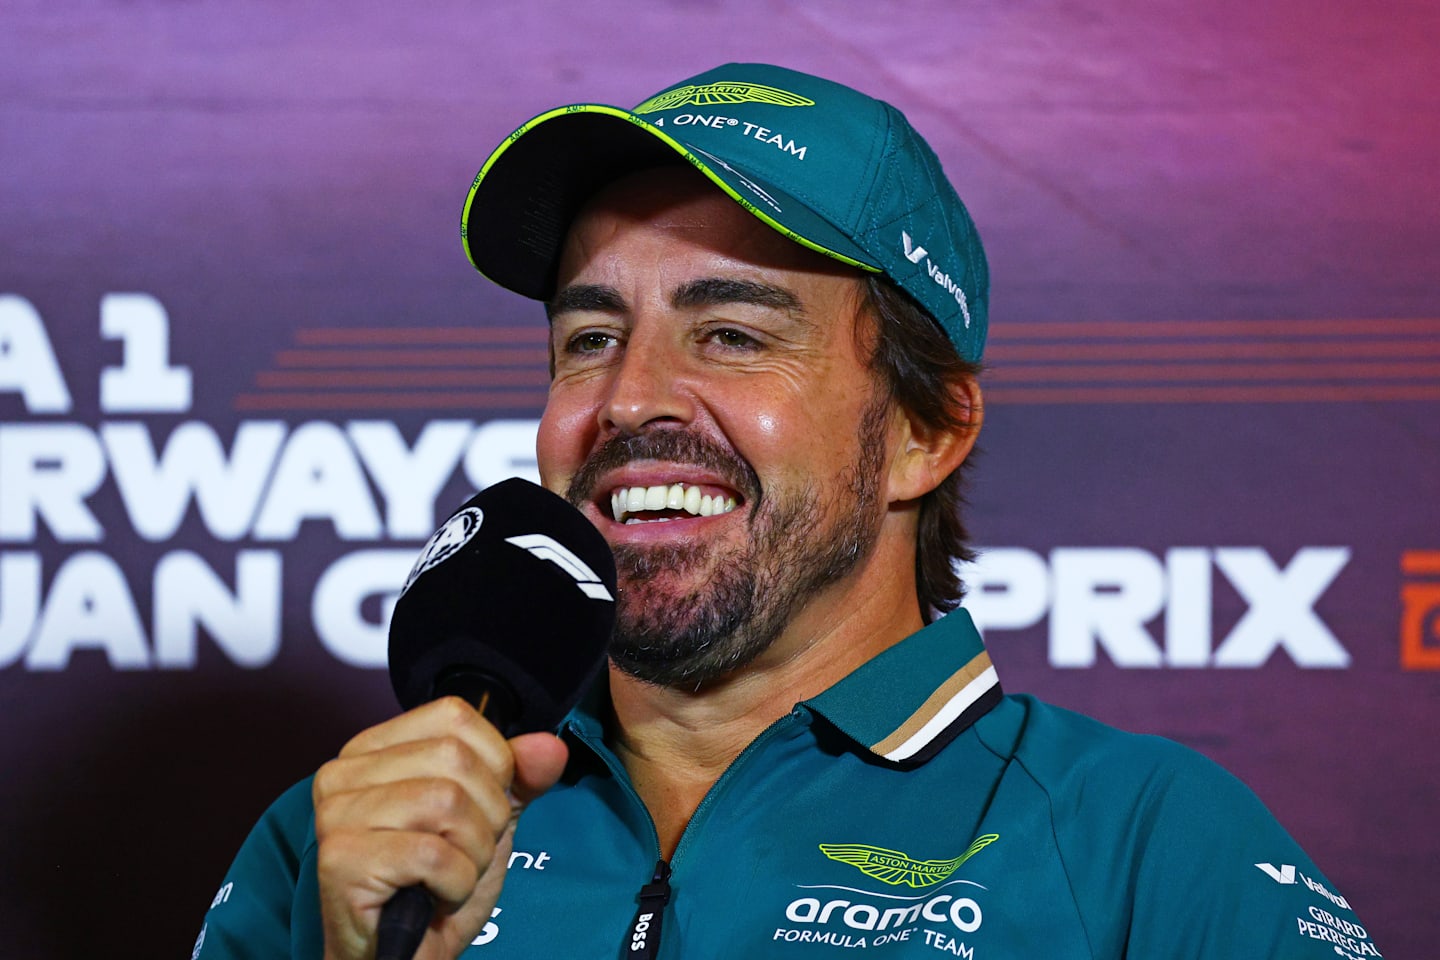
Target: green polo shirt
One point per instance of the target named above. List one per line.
(912, 810)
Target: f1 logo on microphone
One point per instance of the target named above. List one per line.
(545, 548)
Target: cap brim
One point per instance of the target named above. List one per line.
(525, 196)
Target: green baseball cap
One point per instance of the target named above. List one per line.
(827, 166)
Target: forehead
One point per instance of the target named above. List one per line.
(674, 216)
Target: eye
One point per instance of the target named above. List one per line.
(735, 339)
(590, 341)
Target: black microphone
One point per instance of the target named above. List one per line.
(510, 606)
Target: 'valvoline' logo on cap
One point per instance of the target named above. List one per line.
(706, 94)
(915, 253)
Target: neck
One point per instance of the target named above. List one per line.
(675, 743)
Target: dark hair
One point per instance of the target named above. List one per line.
(919, 367)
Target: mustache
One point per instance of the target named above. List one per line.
(675, 446)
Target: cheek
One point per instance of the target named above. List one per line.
(791, 441)
(805, 430)
(767, 425)
(563, 441)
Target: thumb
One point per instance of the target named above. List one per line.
(539, 760)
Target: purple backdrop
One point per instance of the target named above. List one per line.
(243, 364)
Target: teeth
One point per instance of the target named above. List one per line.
(676, 496)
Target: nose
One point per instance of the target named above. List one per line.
(647, 386)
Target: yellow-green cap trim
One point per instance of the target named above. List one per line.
(669, 141)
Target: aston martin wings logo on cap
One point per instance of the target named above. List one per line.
(710, 93)
(896, 868)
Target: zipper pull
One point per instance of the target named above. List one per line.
(644, 940)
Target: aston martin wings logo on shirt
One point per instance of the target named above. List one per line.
(896, 868)
(706, 94)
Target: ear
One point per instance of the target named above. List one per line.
(924, 454)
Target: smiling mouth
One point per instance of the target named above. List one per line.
(673, 501)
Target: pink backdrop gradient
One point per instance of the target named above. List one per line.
(1213, 228)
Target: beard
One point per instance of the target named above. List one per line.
(747, 595)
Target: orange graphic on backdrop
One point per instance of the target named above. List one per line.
(1420, 613)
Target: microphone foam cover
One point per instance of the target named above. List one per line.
(516, 584)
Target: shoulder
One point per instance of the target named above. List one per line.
(1162, 846)
(293, 812)
(1140, 796)
(287, 826)
(250, 916)
(1064, 752)
(280, 839)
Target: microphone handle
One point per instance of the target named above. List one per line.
(403, 921)
(407, 914)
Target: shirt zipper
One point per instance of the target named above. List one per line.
(644, 943)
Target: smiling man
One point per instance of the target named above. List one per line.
(767, 308)
(701, 355)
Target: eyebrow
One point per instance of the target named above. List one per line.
(585, 296)
(704, 292)
(717, 291)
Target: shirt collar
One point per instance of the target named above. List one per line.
(909, 702)
(903, 705)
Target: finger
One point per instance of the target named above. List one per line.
(434, 805)
(441, 759)
(539, 761)
(447, 716)
(369, 866)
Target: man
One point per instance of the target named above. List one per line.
(767, 307)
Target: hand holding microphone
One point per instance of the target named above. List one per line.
(509, 607)
(422, 803)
